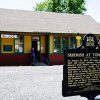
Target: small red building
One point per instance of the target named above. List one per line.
(49, 33)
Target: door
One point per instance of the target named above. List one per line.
(36, 46)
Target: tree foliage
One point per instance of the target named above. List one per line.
(65, 6)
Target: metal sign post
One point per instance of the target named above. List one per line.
(81, 71)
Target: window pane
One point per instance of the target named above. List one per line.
(72, 42)
(19, 44)
(57, 44)
(81, 41)
(38, 47)
(65, 42)
(16, 45)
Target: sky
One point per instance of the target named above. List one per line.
(93, 6)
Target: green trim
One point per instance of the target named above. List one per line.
(48, 49)
(14, 45)
(23, 43)
(31, 41)
(0, 45)
(40, 44)
(48, 44)
(57, 53)
(68, 42)
(61, 44)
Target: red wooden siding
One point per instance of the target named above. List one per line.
(56, 59)
(15, 59)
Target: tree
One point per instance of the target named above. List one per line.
(65, 6)
(76, 6)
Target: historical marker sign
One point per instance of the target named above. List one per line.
(81, 71)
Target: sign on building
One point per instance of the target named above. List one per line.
(81, 71)
(8, 36)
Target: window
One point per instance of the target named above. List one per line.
(60, 43)
(57, 44)
(19, 44)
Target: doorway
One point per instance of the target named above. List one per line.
(36, 46)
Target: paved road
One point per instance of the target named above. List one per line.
(32, 83)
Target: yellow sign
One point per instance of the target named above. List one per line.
(78, 37)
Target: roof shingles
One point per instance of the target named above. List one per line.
(30, 21)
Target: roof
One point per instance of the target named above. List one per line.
(31, 21)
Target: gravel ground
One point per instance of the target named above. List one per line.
(32, 83)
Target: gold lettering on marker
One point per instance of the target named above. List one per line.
(75, 55)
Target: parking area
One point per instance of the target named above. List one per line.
(32, 83)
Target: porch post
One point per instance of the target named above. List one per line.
(43, 44)
(51, 41)
(78, 40)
